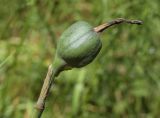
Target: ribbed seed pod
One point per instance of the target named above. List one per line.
(79, 44)
(77, 47)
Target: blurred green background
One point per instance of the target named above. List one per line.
(122, 82)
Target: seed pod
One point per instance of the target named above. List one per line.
(77, 47)
(80, 43)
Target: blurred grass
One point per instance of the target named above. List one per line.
(123, 81)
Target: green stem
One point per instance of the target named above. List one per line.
(104, 26)
(59, 66)
(40, 105)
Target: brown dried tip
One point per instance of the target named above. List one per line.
(104, 26)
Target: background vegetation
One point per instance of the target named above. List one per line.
(123, 81)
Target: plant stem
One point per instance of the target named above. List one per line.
(59, 66)
(40, 105)
(104, 26)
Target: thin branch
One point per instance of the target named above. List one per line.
(51, 74)
(104, 26)
(40, 105)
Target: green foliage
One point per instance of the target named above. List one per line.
(123, 81)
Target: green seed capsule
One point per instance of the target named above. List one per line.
(77, 47)
(79, 44)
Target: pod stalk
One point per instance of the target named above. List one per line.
(104, 26)
(53, 71)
